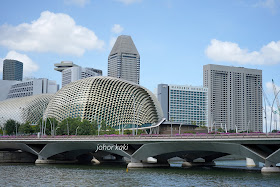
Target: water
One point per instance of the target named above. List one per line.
(88, 175)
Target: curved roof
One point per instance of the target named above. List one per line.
(114, 100)
(24, 109)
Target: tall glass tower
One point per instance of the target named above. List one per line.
(12, 70)
(124, 60)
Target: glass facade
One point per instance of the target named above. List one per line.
(188, 104)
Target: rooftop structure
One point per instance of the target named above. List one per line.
(64, 65)
(117, 102)
(124, 60)
(24, 109)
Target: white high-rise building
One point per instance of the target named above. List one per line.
(76, 73)
(124, 60)
(234, 97)
(183, 103)
(30, 87)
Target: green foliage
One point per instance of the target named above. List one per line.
(26, 128)
(190, 132)
(127, 132)
(11, 126)
(221, 130)
(203, 127)
(231, 131)
(76, 126)
(274, 131)
(193, 122)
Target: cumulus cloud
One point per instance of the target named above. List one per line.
(117, 29)
(80, 3)
(28, 65)
(127, 2)
(51, 32)
(231, 52)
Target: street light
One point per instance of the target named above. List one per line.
(77, 130)
(67, 126)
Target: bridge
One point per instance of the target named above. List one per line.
(259, 147)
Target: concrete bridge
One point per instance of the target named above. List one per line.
(259, 147)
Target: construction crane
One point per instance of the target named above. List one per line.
(277, 100)
(275, 94)
(266, 101)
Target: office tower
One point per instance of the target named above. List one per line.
(124, 60)
(76, 73)
(12, 70)
(234, 97)
(30, 87)
(183, 103)
(64, 65)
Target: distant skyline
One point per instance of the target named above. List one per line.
(175, 38)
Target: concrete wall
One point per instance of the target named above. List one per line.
(16, 157)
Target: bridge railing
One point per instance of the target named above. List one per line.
(149, 136)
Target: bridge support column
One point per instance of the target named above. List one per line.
(197, 164)
(42, 160)
(250, 163)
(148, 163)
(270, 167)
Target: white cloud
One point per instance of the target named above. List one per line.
(112, 41)
(28, 65)
(80, 3)
(269, 4)
(127, 2)
(52, 32)
(231, 52)
(269, 87)
(117, 28)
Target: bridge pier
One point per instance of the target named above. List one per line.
(270, 167)
(250, 163)
(196, 164)
(150, 162)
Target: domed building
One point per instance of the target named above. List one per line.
(115, 101)
(22, 109)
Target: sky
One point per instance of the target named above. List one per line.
(175, 38)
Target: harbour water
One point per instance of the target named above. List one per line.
(116, 175)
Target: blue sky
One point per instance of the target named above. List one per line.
(175, 38)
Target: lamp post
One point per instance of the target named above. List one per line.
(77, 130)
(67, 126)
(56, 129)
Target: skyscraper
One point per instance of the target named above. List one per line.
(124, 60)
(234, 97)
(12, 70)
(183, 103)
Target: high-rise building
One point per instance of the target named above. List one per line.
(124, 60)
(30, 87)
(76, 73)
(183, 103)
(12, 70)
(234, 97)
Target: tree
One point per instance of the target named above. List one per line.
(11, 127)
(193, 122)
(26, 128)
